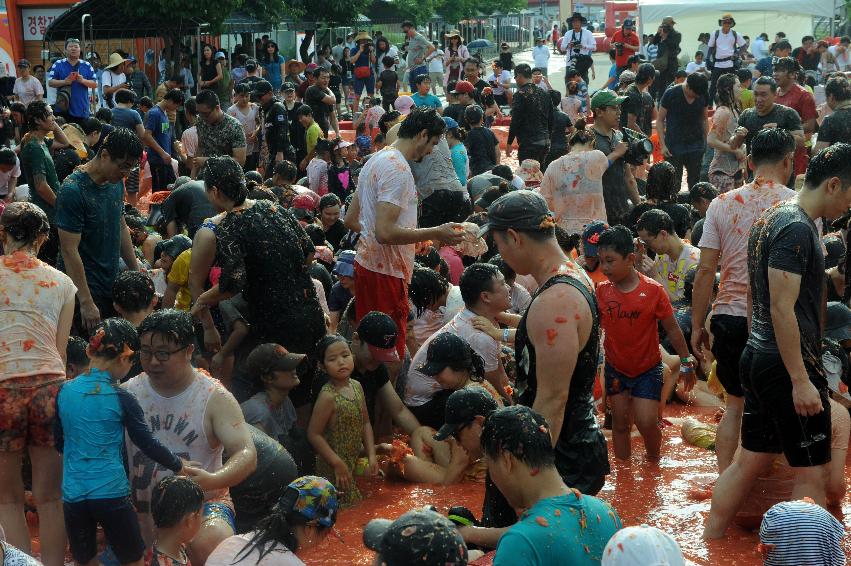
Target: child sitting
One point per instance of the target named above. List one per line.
(94, 412)
(176, 505)
(631, 306)
(339, 426)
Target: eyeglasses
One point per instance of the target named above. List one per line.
(160, 355)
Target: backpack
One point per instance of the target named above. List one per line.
(710, 57)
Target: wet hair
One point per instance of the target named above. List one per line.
(476, 279)
(173, 498)
(581, 136)
(654, 221)
(426, 287)
(429, 259)
(555, 98)
(520, 431)
(507, 272)
(646, 71)
(171, 323)
(190, 106)
(256, 191)
(474, 114)
(37, 111)
(287, 170)
(253, 176)
(175, 95)
(832, 161)
(8, 156)
(104, 115)
(133, 290)
(112, 337)
(771, 146)
(387, 120)
(744, 75)
(146, 102)
(618, 238)
(787, 64)
(226, 174)
(662, 182)
(524, 70)
(567, 242)
(122, 143)
(422, 119)
(698, 83)
(304, 110)
(124, 96)
(242, 88)
(24, 221)
(75, 351)
(326, 342)
(207, 98)
(388, 61)
(316, 234)
(503, 171)
(702, 190)
(766, 80)
(91, 125)
(724, 94)
(839, 88)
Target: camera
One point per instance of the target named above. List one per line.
(618, 48)
(639, 148)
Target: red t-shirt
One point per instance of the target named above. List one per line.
(618, 37)
(630, 322)
(801, 101)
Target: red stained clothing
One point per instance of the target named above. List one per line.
(801, 101)
(619, 37)
(630, 324)
(385, 293)
(453, 260)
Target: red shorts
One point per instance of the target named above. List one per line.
(385, 293)
(27, 411)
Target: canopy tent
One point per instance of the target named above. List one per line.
(795, 17)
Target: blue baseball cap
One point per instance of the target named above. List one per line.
(591, 235)
(345, 265)
(450, 122)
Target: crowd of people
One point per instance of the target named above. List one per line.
(298, 307)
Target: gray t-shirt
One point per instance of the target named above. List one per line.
(435, 172)
(614, 179)
(417, 47)
(276, 422)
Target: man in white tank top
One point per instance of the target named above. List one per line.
(194, 416)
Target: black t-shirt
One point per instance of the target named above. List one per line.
(321, 112)
(787, 239)
(634, 104)
(481, 148)
(809, 61)
(783, 116)
(372, 382)
(558, 136)
(296, 130)
(189, 206)
(647, 116)
(389, 83)
(678, 213)
(836, 127)
(335, 234)
(684, 122)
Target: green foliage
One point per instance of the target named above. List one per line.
(452, 11)
(339, 12)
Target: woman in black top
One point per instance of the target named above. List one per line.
(662, 190)
(211, 70)
(329, 216)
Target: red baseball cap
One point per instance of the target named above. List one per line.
(464, 87)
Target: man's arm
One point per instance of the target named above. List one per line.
(42, 188)
(388, 231)
(128, 251)
(13, 183)
(783, 289)
(397, 410)
(239, 154)
(69, 243)
(631, 185)
(701, 292)
(661, 114)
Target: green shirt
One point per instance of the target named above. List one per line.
(95, 212)
(36, 160)
(747, 99)
(312, 135)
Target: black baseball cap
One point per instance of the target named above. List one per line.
(262, 87)
(287, 87)
(251, 65)
(420, 536)
(270, 357)
(522, 210)
(462, 407)
(379, 333)
(446, 349)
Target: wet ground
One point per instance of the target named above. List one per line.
(662, 495)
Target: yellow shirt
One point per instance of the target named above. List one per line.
(747, 99)
(312, 135)
(179, 275)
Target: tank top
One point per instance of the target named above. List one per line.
(581, 453)
(178, 423)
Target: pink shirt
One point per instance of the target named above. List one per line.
(727, 226)
(232, 547)
(453, 259)
(386, 177)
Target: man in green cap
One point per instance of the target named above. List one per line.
(619, 186)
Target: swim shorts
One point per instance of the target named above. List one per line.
(218, 510)
(647, 385)
(770, 422)
(27, 411)
(120, 525)
(730, 334)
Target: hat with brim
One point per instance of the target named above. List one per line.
(577, 16)
(462, 408)
(446, 350)
(115, 59)
(378, 331)
(345, 265)
(342, 144)
(270, 357)
(606, 97)
(383, 354)
(590, 237)
(837, 324)
(727, 16)
(523, 210)
(363, 36)
(668, 20)
(452, 33)
(404, 104)
(299, 65)
(420, 536)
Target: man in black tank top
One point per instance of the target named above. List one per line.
(558, 340)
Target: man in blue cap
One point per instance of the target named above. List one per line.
(625, 42)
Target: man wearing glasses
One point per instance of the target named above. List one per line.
(196, 417)
(218, 132)
(76, 76)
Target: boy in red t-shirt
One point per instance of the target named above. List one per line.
(631, 305)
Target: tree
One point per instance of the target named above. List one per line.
(337, 12)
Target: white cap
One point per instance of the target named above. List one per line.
(642, 546)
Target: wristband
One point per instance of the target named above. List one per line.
(685, 360)
(505, 335)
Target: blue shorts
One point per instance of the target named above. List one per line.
(368, 83)
(218, 510)
(647, 385)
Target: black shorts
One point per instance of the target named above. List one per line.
(162, 175)
(120, 525)
(770, 423)
(730, 334)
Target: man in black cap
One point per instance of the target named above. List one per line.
(421, 536)
(253, 75)
(276, 126)
(557, 343)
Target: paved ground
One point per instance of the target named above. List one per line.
(557, 65)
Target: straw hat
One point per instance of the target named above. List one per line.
(363, 36)
(299, 65)
(452, 33)
(114, 60)
(727, 16)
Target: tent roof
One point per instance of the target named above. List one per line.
(822, 8)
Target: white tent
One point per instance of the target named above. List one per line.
(794, 17)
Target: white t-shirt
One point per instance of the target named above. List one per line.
(32, 295)
(585, 40)
(386, 177)
(694, 67)
(504, 78)
(573, 188)
(843, 58)
(541, 56)
(27, 89)
(725, 46)
(726, 228)
(110, 79)
(232, 547)
(435, 62)
(248, 122)
(13, 173)
(420, 388)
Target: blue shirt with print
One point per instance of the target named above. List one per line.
(60, 70)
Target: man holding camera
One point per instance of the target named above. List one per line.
(682, 126)
(578, 44)
(619, 185)
(724, 47)
(625, 42)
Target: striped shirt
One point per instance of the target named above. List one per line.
(801, 533)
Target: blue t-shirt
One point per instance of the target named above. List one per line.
(95, 212)
(459, 161)
(79, 93)
(566, 529)
(765, 66)
(91, 416)
(429, 100)
(273, 72)
(613, 72)
(125, 118)
(158, 123)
